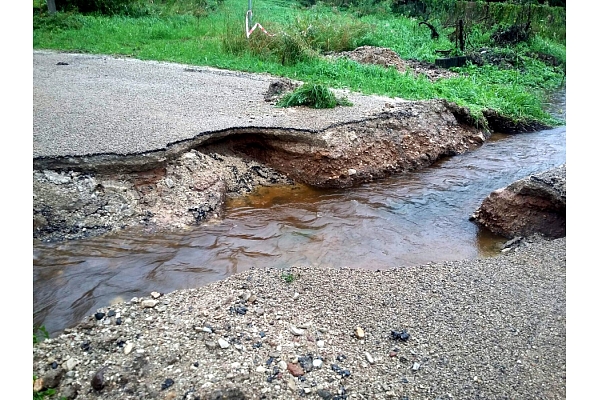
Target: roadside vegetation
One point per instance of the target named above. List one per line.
(516, 50)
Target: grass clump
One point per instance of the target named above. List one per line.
(288, 277)
(312, 95)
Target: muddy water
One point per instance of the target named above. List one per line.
(404, 220)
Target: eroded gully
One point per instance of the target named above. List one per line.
(407, 219)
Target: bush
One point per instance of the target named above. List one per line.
(312, 95)
(106, 7)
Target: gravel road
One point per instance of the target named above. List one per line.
(94, 104)
(490, 328)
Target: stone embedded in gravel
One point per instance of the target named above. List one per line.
(155, 295)
(99, 315)
(360, 333)
(71, 363)
(223, 343)
(416, 366)
(149, 303)
(128, 348)
(167, 384)
(324, 394)
(296, 331)
(317, 363)
(295, 369)
(98, 379)
(369, 358)
(111, 313)
(210, 344)
(400, 335)
(53, 377)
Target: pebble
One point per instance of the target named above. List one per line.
(155, 295)
(149, 303)
(223, 343)
(296, 331)
(416, 366)
(295, 369)
(128, 347)
(369, 358)
(261, 369)
(210, 344)
(360, 333)
(317, 363)
(320, 343)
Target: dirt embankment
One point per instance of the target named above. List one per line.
(76, 198)
(200, 135)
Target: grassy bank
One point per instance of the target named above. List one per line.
(511, 80)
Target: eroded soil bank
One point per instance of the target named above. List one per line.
(187, 183)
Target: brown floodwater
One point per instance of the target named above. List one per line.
(408, 219)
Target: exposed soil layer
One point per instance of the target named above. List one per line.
(75, 199)
(536, 204)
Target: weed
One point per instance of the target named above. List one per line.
(312, 95)
(288, 277)
(41, 330)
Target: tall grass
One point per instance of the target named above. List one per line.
(300, 39)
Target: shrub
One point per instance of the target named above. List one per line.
(106, 7)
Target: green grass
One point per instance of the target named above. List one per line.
(180, 32)
(312, 95)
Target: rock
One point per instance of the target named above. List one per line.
(99, 315)
(97, 381)
(416, 366)
(360, 333)
(324, 394)
(149, 303)
(296, 331)
(282, 364)
(210, 344)
(71, 363)
(70, 392)
(295, 369)
(400, 335)
(155, 295)
(223, 343)
(317, 363)
(351, 171)
(38, 385)
(536, 204)
(369, 358)
(167, 384)
(260, 369)
(320, 343)
(128, 348)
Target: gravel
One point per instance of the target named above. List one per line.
(490, 328)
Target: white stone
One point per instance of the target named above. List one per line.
(128, 347)
(282, 365)
(71, 363)
(223, 343)
(155, 295)
(296, 331)
(320, 343)
(148, 303)
(261, 369)
(369, 358)
(317, 363)
(351, 171)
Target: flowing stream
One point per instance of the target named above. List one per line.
(408, 219)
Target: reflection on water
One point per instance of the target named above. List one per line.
(404, 220)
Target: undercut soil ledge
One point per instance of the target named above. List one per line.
(187, 182)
